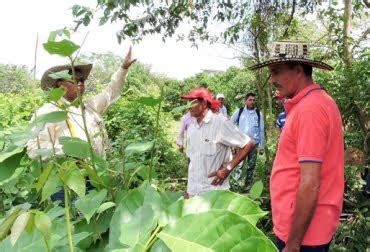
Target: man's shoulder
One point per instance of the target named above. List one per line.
(47, 107)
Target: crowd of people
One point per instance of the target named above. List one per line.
(307, 177)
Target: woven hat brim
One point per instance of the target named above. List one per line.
(313, 63)
(47, 82)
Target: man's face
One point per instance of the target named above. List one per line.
(71, 90)
(221, 100)
(250, 102)
(198, 108)
(284, 78)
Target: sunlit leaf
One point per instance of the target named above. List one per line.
(256, 190)
(6, 225)
(44, 176)
(9, 165)
(64, 48)
(75, 181)
(74, 147)
(215, 230)
(138, 147)
(18, 226)
(105, 206)
(52, 185)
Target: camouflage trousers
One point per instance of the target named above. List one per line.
(242, 177)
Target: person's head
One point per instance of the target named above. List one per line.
(81, 74)
(202, 101)
(215, 106)
(290, 67)
(221, 98)
(71, 89)
(288, 78)
(250, 100)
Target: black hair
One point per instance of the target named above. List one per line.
(249, 94)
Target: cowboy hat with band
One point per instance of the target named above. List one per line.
(291, 51)
(48, 83)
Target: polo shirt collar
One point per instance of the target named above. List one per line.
(290, 103)
(249, 110)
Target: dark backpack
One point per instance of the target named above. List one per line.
(241, 111)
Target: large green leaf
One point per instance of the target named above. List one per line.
(144, 195)
(44, 176)
(64, 48)
(138, 147)
(74, 147)
(75, 181)
(10, 152)
(26, 243)
(9, 165)
(56, 93)
(159, 246)
(51, 186)
(137, 230)
(20, 138)
(218, 199)
(89, 204)
(215, 230)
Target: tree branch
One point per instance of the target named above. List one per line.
(285, 34)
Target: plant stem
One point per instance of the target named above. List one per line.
(152, 238)
(68, 221)
(155, 133)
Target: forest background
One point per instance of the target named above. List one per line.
(338, 33)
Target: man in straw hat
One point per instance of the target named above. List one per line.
(209, 140)
(307, 179)
(95, 108)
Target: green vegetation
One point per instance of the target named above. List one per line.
(137, 203)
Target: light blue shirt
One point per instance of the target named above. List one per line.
(248, 124)
(223, 110)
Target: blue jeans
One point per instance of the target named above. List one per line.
(319, 248)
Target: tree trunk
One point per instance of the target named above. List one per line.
(347, 32)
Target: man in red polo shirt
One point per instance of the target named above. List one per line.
(307, 180)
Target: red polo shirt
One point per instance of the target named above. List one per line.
(312, 133)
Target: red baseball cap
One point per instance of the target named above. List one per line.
(199, 93)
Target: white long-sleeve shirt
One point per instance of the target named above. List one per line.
(96, 107)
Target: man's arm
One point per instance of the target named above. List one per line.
(305, 205)
(180, 137)
(222, 173)
(102, 101)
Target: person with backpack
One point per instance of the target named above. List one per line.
(249, 120)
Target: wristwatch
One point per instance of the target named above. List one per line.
(228, 167)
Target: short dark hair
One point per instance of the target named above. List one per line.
(307, 69)
(248, 95)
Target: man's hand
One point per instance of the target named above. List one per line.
(128, 60)
(291, 248)
(220, 175)
(181, 147)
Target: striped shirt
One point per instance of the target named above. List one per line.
(208, 149)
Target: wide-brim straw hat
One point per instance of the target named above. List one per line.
(291, 51)
(47, 82)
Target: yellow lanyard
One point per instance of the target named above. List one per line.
(70, 126)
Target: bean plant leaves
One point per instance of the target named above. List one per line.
(53, 35)
(89, 204)
(138, 147)
(219, 199)
(18, 226)
(26, 242)
(56, 93)
(10, 152)
(75, 181)
(256, 190)
(105, 206)
(43, 223)
(74, 147)
(159, 246)
(64, 48)
(51, 186)
(215, 230)
(138, 229)
(9, 165)
(6, 225)
(144, 195)
(44, 176)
